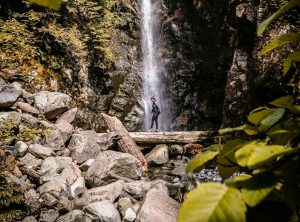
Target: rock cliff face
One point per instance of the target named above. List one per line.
(207, 51)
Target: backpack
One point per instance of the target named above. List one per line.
(157, 109)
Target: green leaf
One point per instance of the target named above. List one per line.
(257, 117)
(281, 40)
(281, 11)
(246, 128)
(214, 147)
(53, 4)
(257, 188)
(290, 59)
(226, 160)
(270, 120)
(286, 102)
(256, 155)
(238, 181)
(212, 202)
(200, 161)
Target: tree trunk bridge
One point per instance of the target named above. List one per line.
(177, 137)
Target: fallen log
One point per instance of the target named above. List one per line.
(169, 137)
(126, 144)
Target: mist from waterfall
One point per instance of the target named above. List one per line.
(153, 74)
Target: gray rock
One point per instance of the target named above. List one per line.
(65, 128)
(123, 205)
(32, 201)
(111, 166)
(21, 148)
(40, 151)
(79, 183)
(51, 104)
(179, 170)
(29, 219)
(73, 216)
(8, 95)
(81, 197)
(83, 147)
(49, 215)
(137, 189)
(85, 166)
(69, 174)
(31, 120)
(109, 192)
(104, 211)
(107, 140)
(64, 205)
(53, 187)
(68, 116)
(52, 166)
(176, 150)
(54, 139)
(30, 161)
(28, 97)
(159, 155)
(158, 206)
(27, 108)
(130, 215)
(13, 117)
(48, 200)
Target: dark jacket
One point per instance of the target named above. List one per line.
(155, 109)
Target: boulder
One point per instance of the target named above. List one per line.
(12, 117)
(83, 147)
(30, 161)
(137, 189)
(27, 108)
(8, 95)
(32, 201)
(109, 192)
(81, 197)
(79, 183)
(48, 200)
(68, 116)
(108, 140)
(54, 187)
(51, 104)
(54, 139)
(29, 219)
(21, 148)
(30, 120)
(65, 128)
(130, 215)
(28, 97)
(159, 155)
(123, 205)
(64, 205)
(49, 215)
(73, 216)
(52, 166)
(85, 166)
(176, 150)
(158, 206)
(110, 166)
(40, 151)
(104, 211)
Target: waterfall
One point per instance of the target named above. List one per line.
(153, 75)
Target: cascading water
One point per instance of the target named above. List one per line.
(153, 76)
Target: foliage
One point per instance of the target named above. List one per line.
(9, 131)
(53, 4)
(266, 155)
(11, 199)
(283, 39)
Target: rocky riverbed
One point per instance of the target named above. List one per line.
(70, 174)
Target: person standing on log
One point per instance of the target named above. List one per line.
(155, 113)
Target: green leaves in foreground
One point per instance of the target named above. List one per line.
(53, 4)
(281, 40)
(281, 11)
(200, 160)
(213, 202)
(257, 154)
